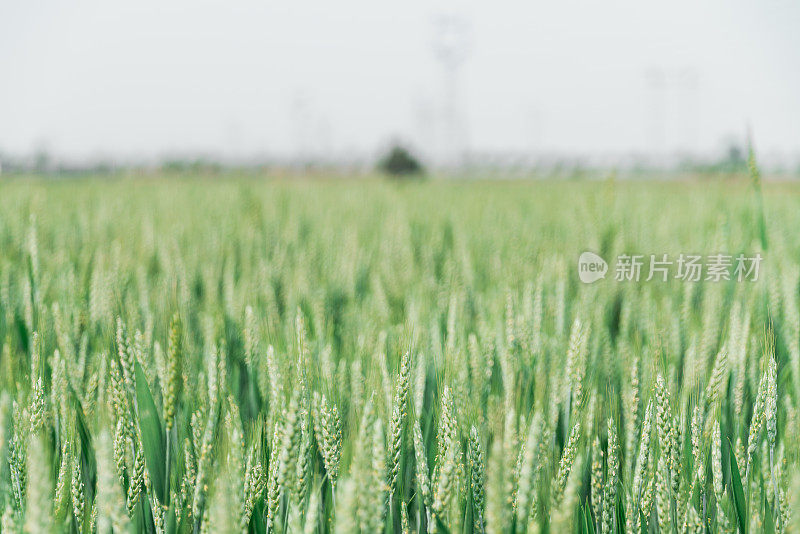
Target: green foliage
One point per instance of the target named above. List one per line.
(207, 356)
(152, 433)
(737, 496)
(400, 162)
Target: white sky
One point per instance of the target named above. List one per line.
(148, 77)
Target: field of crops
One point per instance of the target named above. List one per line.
(245, 355)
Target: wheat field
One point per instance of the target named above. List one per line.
(187, 354)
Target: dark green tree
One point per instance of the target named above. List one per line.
(400, 162)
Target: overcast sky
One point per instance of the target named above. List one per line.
(150, 77)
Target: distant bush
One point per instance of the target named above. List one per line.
(399, 162)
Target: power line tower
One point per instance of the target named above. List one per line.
(300, 109)
(451, 48)
(688, 106)
(656, 85)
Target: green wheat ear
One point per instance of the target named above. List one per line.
(477, 478)
(565, 465)
(173, 372)
(612, 478)
(397, 423)
(39, 492)
(424, 494)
